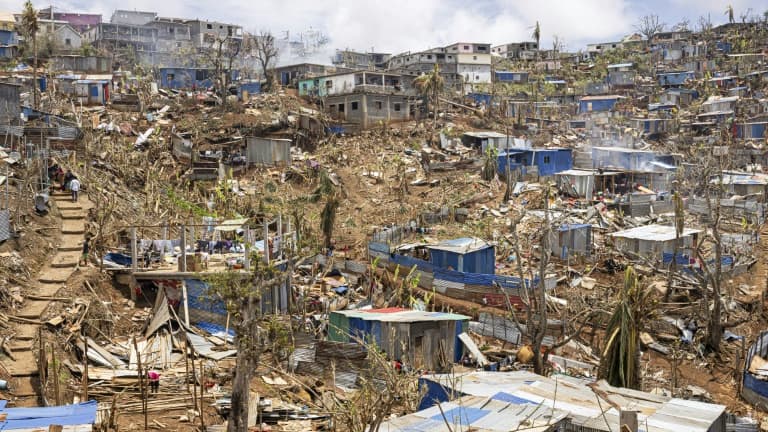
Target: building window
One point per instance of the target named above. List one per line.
(474, 57)
(171, 76)
(209, 26)
(429, 56)
(546, 159)
(68, 42)
(378, 104)
(466, 47)
(329, 84)
(482, 48)
(354, 106)
(397, 107)
(341, 108)
(178, 44)
(170, 29)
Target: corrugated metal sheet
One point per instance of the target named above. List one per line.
(268, 151)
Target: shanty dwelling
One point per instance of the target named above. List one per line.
(755, 386)
(753, 186)
(751, 131)
(92, 92)
(621, 75)
(246, 89)
(590, 406)
(479, 414)
(422, 339)
(10, 103)
(367, 109)
(79, 417)
(548, 161)
(267, 151)
(511, 77)
(675, 79)
(469, 255)
(598, 103)
(653, 241)
(680, 97)
(485, 139)
(572, 239)
(190, 78)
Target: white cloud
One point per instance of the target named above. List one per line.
(401, 25)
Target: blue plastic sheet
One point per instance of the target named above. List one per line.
(66, 415)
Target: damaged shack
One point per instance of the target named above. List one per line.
(423, 339)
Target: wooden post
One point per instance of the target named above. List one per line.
(247, 249)
(186, 361)
(202, 389)
(183, 265)
(56, 389)
(142, 389)
(628, 421)
(85, 367)
(280, 234)
(134, 251)
(186, 301)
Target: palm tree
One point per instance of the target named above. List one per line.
(430, 85)
(537, 35)
(729, 12)
(30, 27)
(620, 364)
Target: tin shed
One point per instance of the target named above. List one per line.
(470, 255)
(419, 338)
(655, 240)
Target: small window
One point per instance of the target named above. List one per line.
(178, 44)
(466, 47)
(341, 108)
(171, 76)
(429, 56)
(329, 84)
(474, 57)
(378, 104)
(68, 42)
(482, 48)
(170, 29)
(209, 26)
(304, 86)
(354, 106)
(397, 107)
(546, 159)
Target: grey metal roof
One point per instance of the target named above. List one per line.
(660, 233)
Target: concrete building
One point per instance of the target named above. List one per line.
(350, 82)
(291, 74)
(357, 60)
(79, 21)
(517, 50)
(172, 34)
(133, 18)
(204, 32)
(461, 64)
(119, 36)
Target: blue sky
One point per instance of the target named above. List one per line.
(401, 25)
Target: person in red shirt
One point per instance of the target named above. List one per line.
(154, 381)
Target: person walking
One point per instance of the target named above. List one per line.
(86, 251)
(68, 177)
(74, 187)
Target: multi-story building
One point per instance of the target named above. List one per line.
(134, 18)
(78, 21)
(517, 50)
(461, 64)
(358, 60)
(203, 33)
(173, 34)
(121, 36)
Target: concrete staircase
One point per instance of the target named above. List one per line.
(25, 345)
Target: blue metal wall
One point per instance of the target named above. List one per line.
(480, 261)
(598, 105)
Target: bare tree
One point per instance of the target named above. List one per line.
(266, 55)
(220, 54)
(558, 44)
(649, 26)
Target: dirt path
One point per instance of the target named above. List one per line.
(23, 368)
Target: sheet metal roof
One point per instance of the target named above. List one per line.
(404, 316)
(585, 406)
(72, 417)
(484, 134)
(478, 414)
(461, 245)
(660, 233)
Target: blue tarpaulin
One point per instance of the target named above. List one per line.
(66, 415)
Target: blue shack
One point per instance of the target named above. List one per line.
(9, 44)
(548, 161)
(247, 88)
(675, 79)
(511, 77)
(754, 130)
(598, 103)
(189, 78)
(415, 337)
(469, 255)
